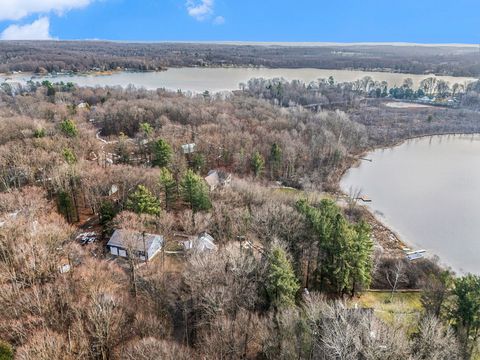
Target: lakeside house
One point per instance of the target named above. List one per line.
(218, 178)
(202, 242)
(144, 246)
(424, 99)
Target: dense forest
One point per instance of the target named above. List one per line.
(450, 108)
(292, 260)
(55, 56)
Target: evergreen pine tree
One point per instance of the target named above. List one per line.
(161, 153)
(195, 192)
(142, 201)
(281, 282)
(344, 262)
(168, 184)
(257, 163)
(275, 160)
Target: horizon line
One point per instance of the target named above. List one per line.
(264, 43)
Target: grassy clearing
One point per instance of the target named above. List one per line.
(405, 306)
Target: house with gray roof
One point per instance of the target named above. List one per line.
(124, 243)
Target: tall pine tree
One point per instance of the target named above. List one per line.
(344, 261)
(194, 191)
(257, 163)
(281, 282)
(275, 160)
(169, 187)
(161, 153)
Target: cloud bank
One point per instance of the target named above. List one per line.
(38, 30)
(12, 10)
(18, 9)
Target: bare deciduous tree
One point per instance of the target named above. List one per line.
(395, 275)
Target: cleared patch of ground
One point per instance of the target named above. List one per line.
(405, 105)
(403, 306)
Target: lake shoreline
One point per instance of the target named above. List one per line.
(394, 241)
(236, 66)
(356, 158)
(219, 79)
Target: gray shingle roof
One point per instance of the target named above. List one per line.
(133, 239)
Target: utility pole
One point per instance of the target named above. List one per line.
(144, 248)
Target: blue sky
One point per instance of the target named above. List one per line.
(427, 21)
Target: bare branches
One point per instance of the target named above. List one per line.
(395, 275)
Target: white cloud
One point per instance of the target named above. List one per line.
(38, 30)
(18, 9)
(219, 20)
(199, 9)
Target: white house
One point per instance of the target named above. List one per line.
(202, 242)
(143, 245)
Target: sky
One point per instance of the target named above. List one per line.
(417, 21)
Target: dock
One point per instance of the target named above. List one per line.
(414, 255)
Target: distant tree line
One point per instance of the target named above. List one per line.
(329, 93)
(49, 56)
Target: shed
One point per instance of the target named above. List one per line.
(143, 245)
(202, 242)
(212, 180)
(113, 190)
(216, 178)
(188, 148)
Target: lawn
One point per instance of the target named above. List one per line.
(405, 306)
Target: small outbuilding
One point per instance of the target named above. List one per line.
(188, 148)
(218, 178)
(144, 246)
(202, 242)
(113, 190)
